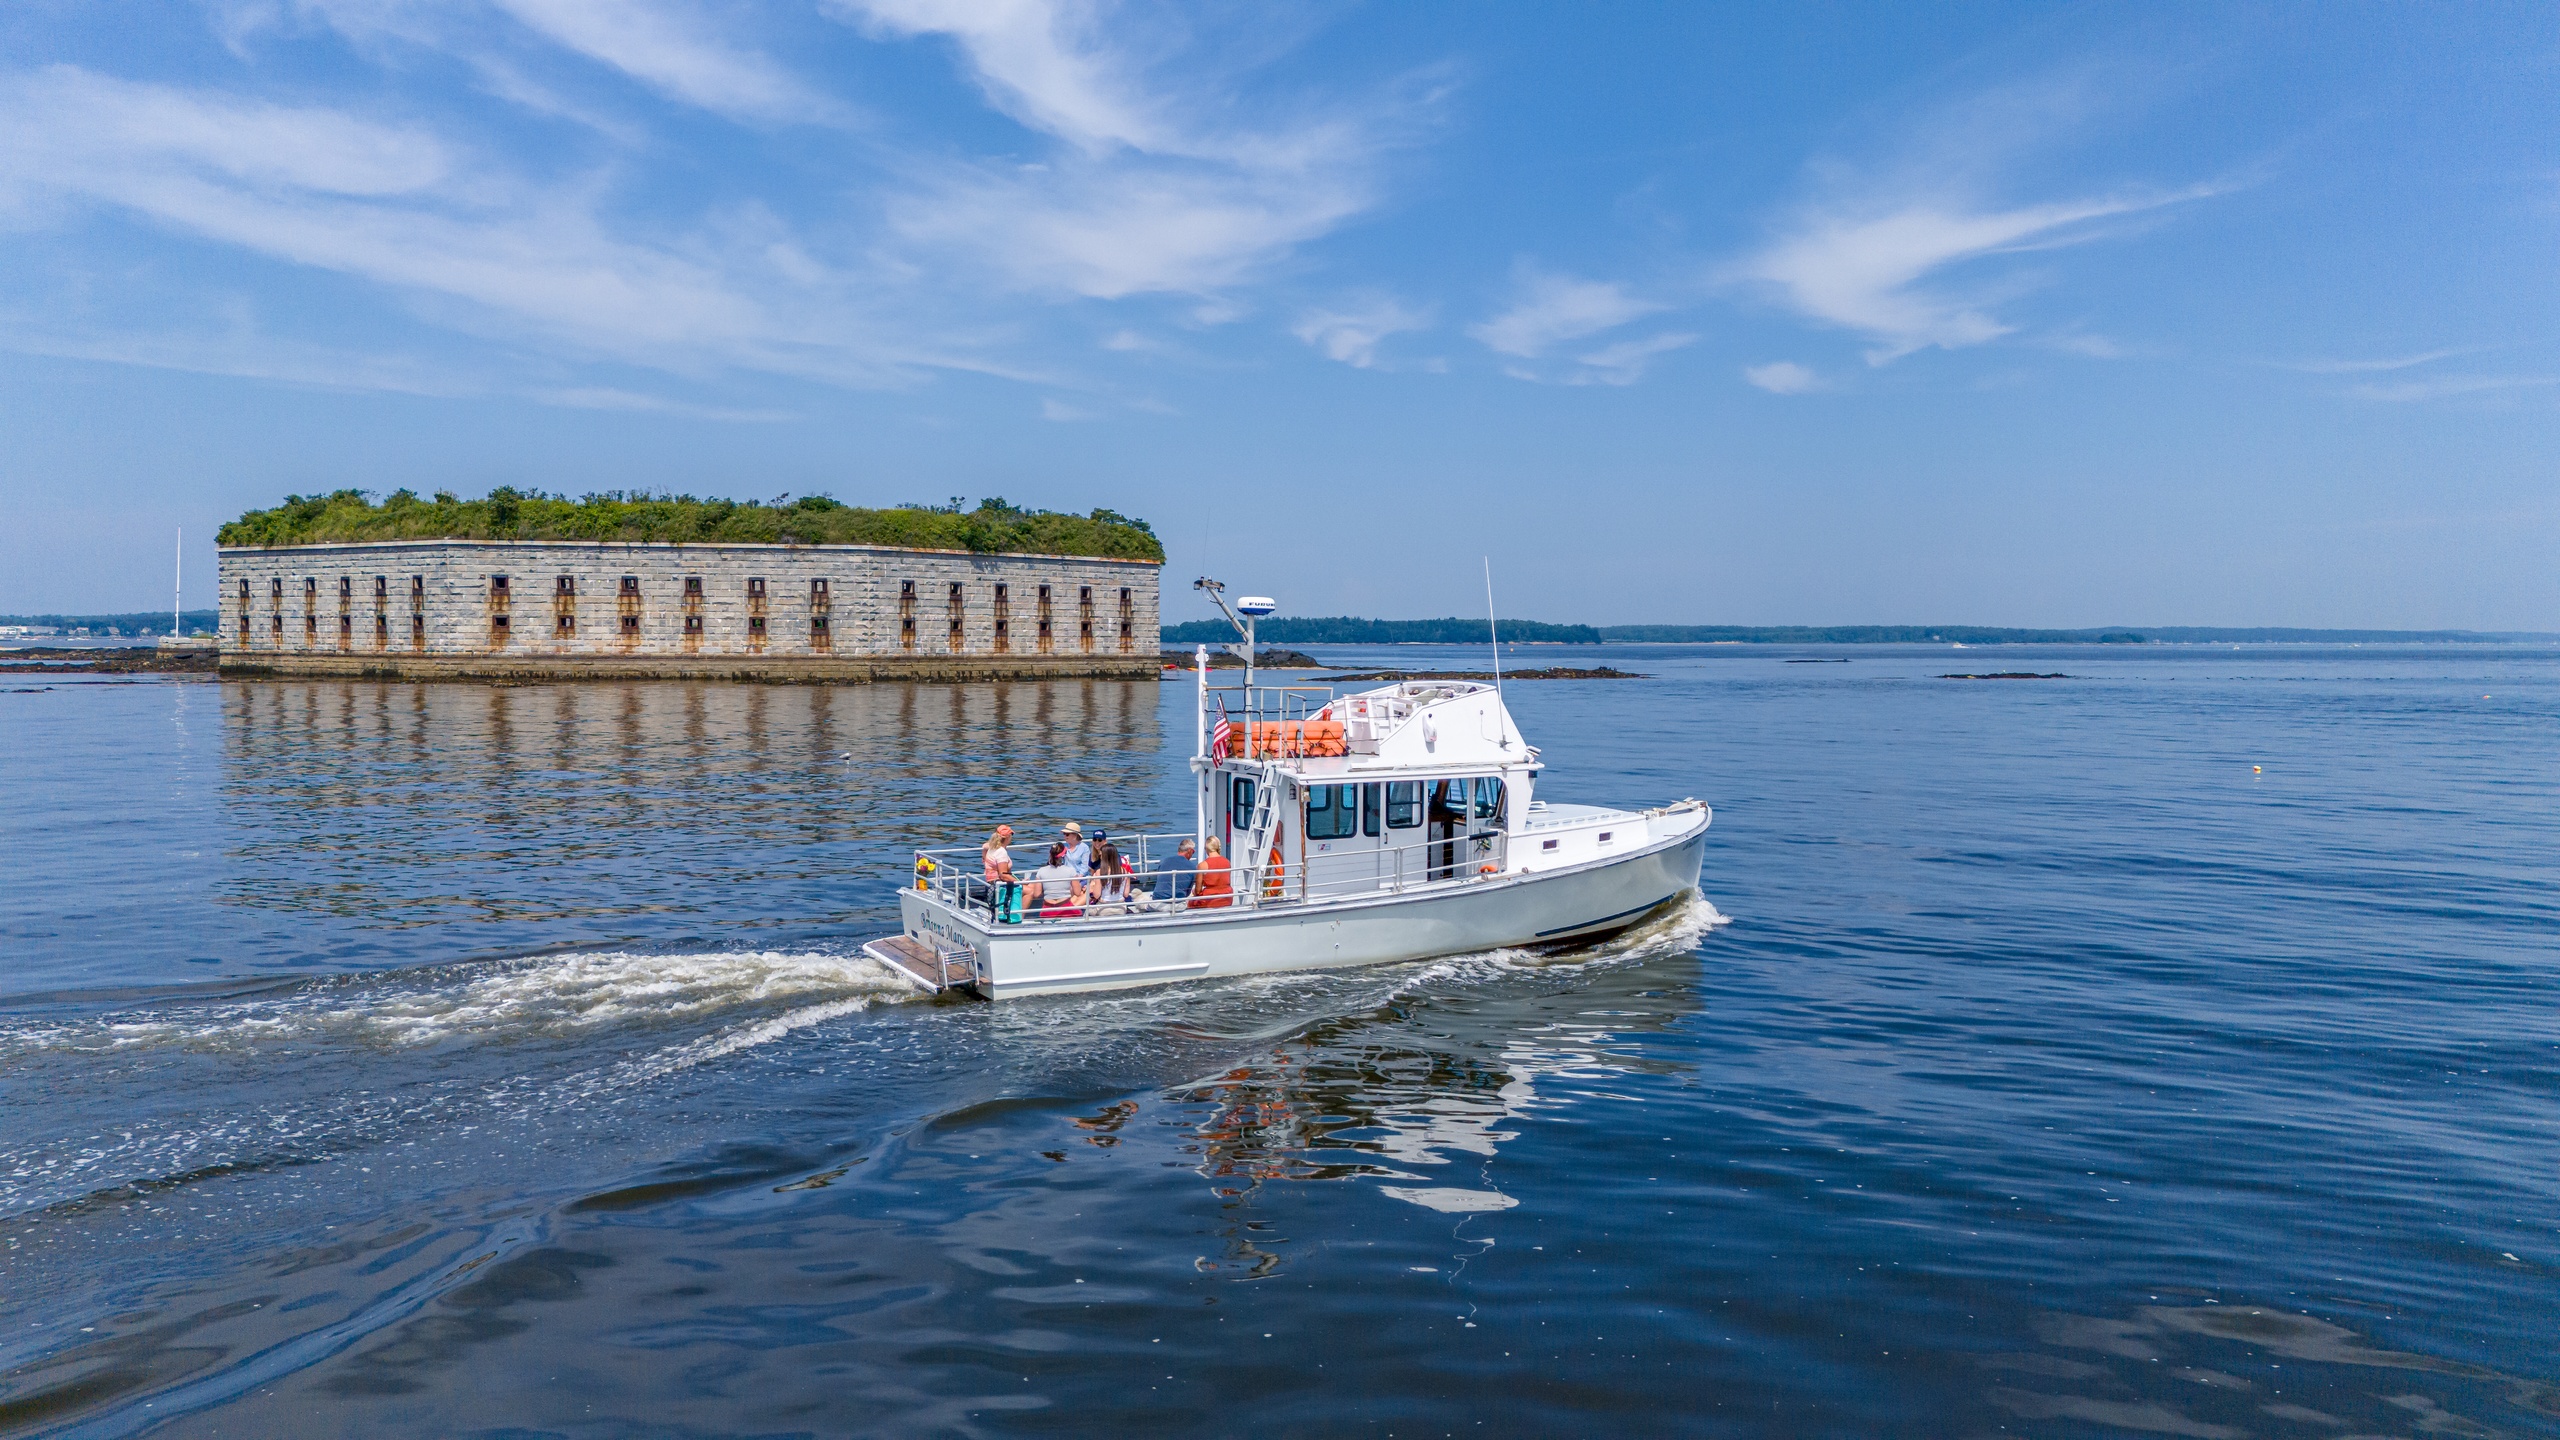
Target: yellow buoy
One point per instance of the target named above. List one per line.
(2257, 769)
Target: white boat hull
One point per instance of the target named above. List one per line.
(1523, 908)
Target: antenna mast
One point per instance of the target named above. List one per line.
(1493, 627)
(178, 584)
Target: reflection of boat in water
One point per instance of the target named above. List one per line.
(1395, 823)
(1419, 1095)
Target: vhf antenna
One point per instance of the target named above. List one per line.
(1494, 628)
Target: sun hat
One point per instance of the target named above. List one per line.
(1072, 828)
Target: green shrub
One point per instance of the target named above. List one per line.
(995, 527)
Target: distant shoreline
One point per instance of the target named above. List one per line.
(1347, 630)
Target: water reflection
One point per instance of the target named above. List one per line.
(2238, 1366)
(416, 804)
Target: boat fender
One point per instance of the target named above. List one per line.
(1430, 732)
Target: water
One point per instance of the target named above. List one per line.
(383, 1059)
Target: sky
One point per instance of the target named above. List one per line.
(1808, 314)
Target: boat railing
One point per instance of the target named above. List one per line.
(956, 874)
(955, 877)
(1264, 704)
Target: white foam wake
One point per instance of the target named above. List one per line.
(546, 996)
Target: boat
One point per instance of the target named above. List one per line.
(1394, 823)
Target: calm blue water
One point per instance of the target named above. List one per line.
(385, 1059)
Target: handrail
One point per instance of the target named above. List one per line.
(1478, 855)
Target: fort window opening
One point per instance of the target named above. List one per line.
(498, 588)
(755, 587)
(1128, 620)
(417, 591)
(1044, 619)
(244, 590)
(381, 587)
(693, 624)
(755, 626)
(417, 632)
(275, 593)
(1084, 617)
(346, 586)
(630, 584)
(693, 587)
(959, 609)
(1004, 624)
(630, 624)
(906, 614)
(568, 585)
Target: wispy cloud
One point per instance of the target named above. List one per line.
(672, 50)
(1547, 309)
(1862, 269)
(1783, 377)
(2451, 387)
(1062, 412)
(1625, 362)
(2369, 367)
(1901, 248)
(602, 397)
(1351, 333)
(390, 204)
(1158, 187)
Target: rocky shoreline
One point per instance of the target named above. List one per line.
(108, 660)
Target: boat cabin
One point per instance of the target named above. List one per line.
(1323, 794)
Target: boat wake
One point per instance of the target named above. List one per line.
(222, 1088)
(554, 996)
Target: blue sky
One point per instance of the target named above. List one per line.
(1822, 314)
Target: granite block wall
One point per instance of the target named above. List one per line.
(463, 606)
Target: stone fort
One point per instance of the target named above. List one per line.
(628, 609)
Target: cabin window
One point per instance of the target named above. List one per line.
(1404, 804)
(1488, 797)
(1333, 812)
(1240, 801)
(1604, 837)
(1373, 805)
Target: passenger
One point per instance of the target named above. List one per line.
(1215, 889)
(1079, 851)
(1059, 894)
(1004, 893)
(1109, 890)
(1173, 877)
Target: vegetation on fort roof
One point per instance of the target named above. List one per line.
(994, 527)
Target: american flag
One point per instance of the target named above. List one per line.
(1220, 738)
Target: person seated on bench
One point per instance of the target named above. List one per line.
(1215, 889)
(1056, 892)
(1174, 876)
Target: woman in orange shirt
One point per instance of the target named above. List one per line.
(1216, 887)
